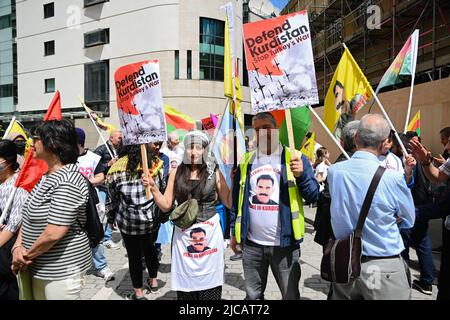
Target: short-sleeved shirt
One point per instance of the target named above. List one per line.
(14, 217)
(445, 168)
(89, 164)
(60, 199)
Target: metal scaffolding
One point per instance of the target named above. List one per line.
(336, 21)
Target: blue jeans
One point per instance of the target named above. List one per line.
(102, 199)
(98, 257)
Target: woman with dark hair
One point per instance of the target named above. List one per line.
(197, 257)
(134, 214)
(12, 219)
(52, 244)
(321, 166)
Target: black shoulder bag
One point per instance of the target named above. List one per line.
(341, 261)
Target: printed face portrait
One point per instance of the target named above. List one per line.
(198, 240)
(339, 96)
(264, 188)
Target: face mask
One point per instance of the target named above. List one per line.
(20, 147)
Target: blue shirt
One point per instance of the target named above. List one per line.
(349, 182)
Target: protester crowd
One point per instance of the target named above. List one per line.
(177, 202)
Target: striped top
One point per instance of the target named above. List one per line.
(60, 199)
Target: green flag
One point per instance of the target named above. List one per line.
(301, 121)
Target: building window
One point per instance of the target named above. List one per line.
(49, 48)
(189, 64)
(5, 21)
(49, 85)
(177, 64)
(96, 83)
(211, 49)
(95, 38)
(6, 91)
(49, 10)
(88, 3)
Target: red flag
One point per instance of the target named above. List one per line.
(31, 172)
(54, 110)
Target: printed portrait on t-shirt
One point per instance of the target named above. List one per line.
(198, 241)
(265, 185)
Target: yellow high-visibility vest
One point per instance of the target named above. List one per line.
(295, 200)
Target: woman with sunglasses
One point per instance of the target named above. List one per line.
(52, 243)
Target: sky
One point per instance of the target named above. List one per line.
(280, 4)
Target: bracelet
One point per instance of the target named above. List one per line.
(15, 247)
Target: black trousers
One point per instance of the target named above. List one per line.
(8, 282)
(136, 246)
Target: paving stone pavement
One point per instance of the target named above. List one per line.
(312, 287)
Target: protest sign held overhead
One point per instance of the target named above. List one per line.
(280, 62)
(139, 102)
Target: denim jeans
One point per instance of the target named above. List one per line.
(102, 199)
(418, 238)
(98, 257)
(285, 265)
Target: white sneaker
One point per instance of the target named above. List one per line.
(106, 274)
(111, 245)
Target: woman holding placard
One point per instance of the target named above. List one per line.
(198, 245)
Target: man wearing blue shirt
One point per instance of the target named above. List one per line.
(384, 275)
(271, 228)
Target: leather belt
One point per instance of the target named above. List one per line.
(368, 258)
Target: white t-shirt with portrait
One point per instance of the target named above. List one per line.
(323, 169)
(264, 196)
(392, 162)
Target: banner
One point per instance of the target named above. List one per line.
(139, 103)
(280, 62)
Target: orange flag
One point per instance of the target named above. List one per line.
(54, 110)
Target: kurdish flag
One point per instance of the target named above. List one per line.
(178, 122)
(301, 121)
(403, 65)
(414, 125)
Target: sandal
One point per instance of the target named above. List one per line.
(150, 288)
(133, 296)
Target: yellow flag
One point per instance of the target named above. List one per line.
(349, 91)
(230, 67)
(308, 148)
(99, 122)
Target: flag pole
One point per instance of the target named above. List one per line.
(98, 130)
(390, 123)
(329, 132)
(408, 114)
(9, 127)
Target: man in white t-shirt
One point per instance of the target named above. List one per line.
(91, 168)
(262, 217)
(173, 145)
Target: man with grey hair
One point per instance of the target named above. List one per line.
(173, 146)
(384, 274)
(270, 233)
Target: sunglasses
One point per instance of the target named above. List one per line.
(36, 138)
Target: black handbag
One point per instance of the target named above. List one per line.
(341, 260)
